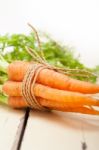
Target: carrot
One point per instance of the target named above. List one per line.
(12, 88)
(19, 102)
(66, 108)
(17, 70)
(83, 110)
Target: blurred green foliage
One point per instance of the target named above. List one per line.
(12, 47)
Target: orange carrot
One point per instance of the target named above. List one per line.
(17, 70)
(19, 102)
(83, 110)
(66, 108)
(12, 88)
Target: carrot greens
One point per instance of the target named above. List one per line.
(12, 47)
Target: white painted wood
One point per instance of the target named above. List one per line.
(91, 135)
(9, 122)
(61, 131)
(52, 131)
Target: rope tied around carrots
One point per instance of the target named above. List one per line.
(30, 79)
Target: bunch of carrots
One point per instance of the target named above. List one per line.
(54, 90)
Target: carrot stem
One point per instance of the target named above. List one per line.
(3, 99)
(3, 65)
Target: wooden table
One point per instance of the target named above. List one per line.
(33, 130)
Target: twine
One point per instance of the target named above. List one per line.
(40, 58)
(28, 84)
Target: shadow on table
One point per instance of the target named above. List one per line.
(70, 120)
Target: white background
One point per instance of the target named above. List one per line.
(74, 22)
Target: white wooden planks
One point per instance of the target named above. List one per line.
(9, 123)
(52, 131)
(91, 134)
(61, 131)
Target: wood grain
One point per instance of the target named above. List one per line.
(61, 131)
(9, 123)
